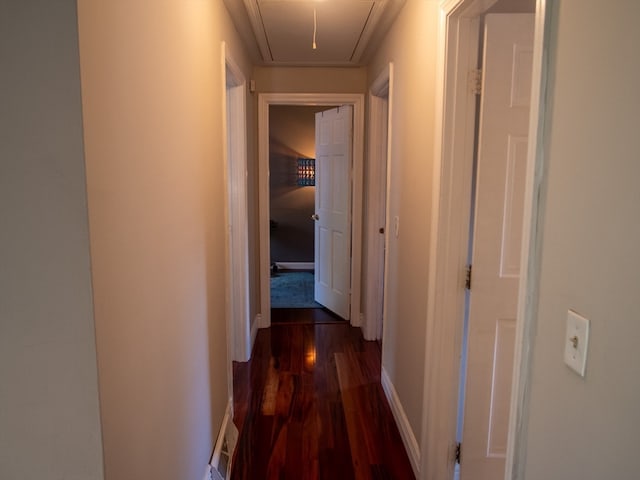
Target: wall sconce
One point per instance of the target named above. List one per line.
(306, 172)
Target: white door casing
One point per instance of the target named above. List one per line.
(240, 334)
(502, 161)
(333, 209)
(329, 99)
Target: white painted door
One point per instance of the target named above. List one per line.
(382, 216)
(333, 209)
(502, 154)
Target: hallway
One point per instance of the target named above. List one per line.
(310, 405)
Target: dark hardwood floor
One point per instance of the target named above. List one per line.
(309, 405)
(304, 315)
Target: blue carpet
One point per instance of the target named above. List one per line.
(292, 289)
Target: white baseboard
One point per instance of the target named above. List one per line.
(207, 473)
(366, 328)
(408, 438)
(258, 322)
(296, 265)
(225, 444)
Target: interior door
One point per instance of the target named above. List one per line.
(333, 209)
(382, 217)
(502, 155)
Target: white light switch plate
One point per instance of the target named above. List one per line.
(576, 342)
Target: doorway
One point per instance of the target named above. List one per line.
(240, 337)
(292, 187)
(452, 198)
(377, 222)
(496, 213)
(265, 101)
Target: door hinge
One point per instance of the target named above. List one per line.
(467, 278)
(458, 452)
(475, 81)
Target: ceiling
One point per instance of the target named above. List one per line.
(280, 32)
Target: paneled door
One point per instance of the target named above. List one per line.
(502, 155)
(333, 209)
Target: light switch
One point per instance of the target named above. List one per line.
(576, 342)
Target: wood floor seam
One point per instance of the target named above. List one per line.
(309, 405)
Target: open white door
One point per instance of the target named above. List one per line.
(333, 209)
(502, 156)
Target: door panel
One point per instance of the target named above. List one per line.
(502, 155)
(513, 203)
(333, 209)
(505, 335)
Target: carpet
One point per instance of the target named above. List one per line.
(292, 289)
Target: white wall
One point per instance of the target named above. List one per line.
(152, 81)
(310, 80)
(587, 428)
(411, 46)
(49, 417)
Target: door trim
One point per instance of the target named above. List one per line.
(329, 99)
(234, 129)
(533, 221)
(449, 241)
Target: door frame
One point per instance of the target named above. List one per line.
(378, 161)
(457, 51)
(265, 100)
(239, 336)
(234, 128)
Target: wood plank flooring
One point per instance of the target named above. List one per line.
(309, 405)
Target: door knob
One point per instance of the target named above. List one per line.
(315, 217)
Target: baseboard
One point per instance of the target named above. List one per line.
(253, 333)
(408, 438)
(359, 322)
(365, 327)
(224, 447)
(258, 322)
(207, 473)
(296, 265)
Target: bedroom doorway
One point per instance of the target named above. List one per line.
(292, 189)
(459, 41)
(237, 242)
(377, 187)
(354, 234)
